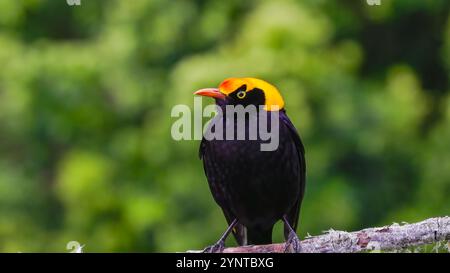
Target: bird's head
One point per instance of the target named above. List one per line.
(245, 91)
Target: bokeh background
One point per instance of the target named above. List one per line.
(86, 93)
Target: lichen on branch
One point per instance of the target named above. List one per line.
(387, 238)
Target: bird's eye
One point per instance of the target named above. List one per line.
(241, 94)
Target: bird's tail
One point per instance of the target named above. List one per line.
(258, 236)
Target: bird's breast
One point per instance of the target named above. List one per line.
(260, 185)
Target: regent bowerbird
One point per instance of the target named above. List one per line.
(255, 188)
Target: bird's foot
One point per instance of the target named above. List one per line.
(293, 244)
(215, 248)
(220, 245)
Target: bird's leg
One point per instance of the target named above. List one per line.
(220, 245)
(293, 244)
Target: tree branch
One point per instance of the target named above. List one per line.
(386, 238)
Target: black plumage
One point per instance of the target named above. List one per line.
(255, 188)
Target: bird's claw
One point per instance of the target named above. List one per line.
(215, 248)
(293, 244)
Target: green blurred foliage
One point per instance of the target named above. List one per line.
(86, 93)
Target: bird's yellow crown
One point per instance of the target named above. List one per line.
(273, 99)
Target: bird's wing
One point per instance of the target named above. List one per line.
(218, 191)
(292, 215)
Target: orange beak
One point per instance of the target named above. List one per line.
(210, 92)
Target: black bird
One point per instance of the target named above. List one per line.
(254, 188)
